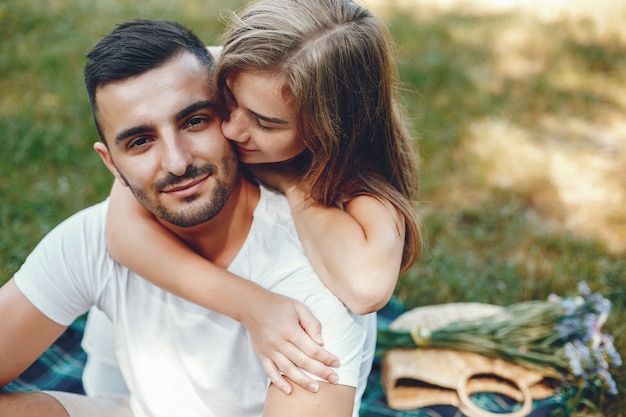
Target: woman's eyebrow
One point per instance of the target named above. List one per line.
(268, 119)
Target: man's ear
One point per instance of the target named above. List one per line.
(103, 151)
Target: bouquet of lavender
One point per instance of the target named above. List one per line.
(561, 337)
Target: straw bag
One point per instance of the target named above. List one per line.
(415, 378)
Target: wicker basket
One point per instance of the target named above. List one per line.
(414, 378)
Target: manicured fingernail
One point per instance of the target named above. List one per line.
(286, 389)
(319, 338)
(314, 387)
(333, 379)
(335, 364)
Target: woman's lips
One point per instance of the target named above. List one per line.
(243, 151)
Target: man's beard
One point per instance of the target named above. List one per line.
(194, 214)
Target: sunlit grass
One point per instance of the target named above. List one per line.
(522, 142)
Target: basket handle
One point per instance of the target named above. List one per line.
(468, 407)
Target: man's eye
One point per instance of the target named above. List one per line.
(196, 121)
(135, 143)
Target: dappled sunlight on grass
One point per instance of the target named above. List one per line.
(577, 188)
(552, 127)
(519, 52)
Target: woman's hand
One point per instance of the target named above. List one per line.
(287, 339)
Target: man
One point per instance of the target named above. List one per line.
(150, 91)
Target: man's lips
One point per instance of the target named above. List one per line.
(188, 189)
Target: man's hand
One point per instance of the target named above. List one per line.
(287, 339)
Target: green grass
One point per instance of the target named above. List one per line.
(520, 143)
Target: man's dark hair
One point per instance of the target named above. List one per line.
(135, 47)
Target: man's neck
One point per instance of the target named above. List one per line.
(220, 239)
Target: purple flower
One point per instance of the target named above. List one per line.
(568, 327)
(583, 288)
(578, 357)
(554, 298)
(608, 381)
(611, 353)
(600, 360)
(571, 305)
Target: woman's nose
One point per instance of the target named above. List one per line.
(235, 127)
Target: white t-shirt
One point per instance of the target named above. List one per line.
(176, 357)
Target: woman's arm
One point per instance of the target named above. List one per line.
(284, 333)
(356, 251)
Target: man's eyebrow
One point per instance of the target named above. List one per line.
(268, 119)
(200, 105)
(133, 131)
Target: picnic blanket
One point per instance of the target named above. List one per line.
(60, 368)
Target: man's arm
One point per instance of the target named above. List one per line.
(330, 401)
(26, 332)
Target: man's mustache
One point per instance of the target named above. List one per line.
(191, 173)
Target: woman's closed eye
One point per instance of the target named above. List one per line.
(260, 126)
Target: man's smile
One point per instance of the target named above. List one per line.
(187, 189)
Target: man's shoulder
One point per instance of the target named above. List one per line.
(272, 217)
(69, 263)
(271, 196)
(274, 208)
(272, 250)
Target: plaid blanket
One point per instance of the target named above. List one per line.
(60, 368)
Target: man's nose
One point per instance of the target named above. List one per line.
(177, 155)
(235, 127)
